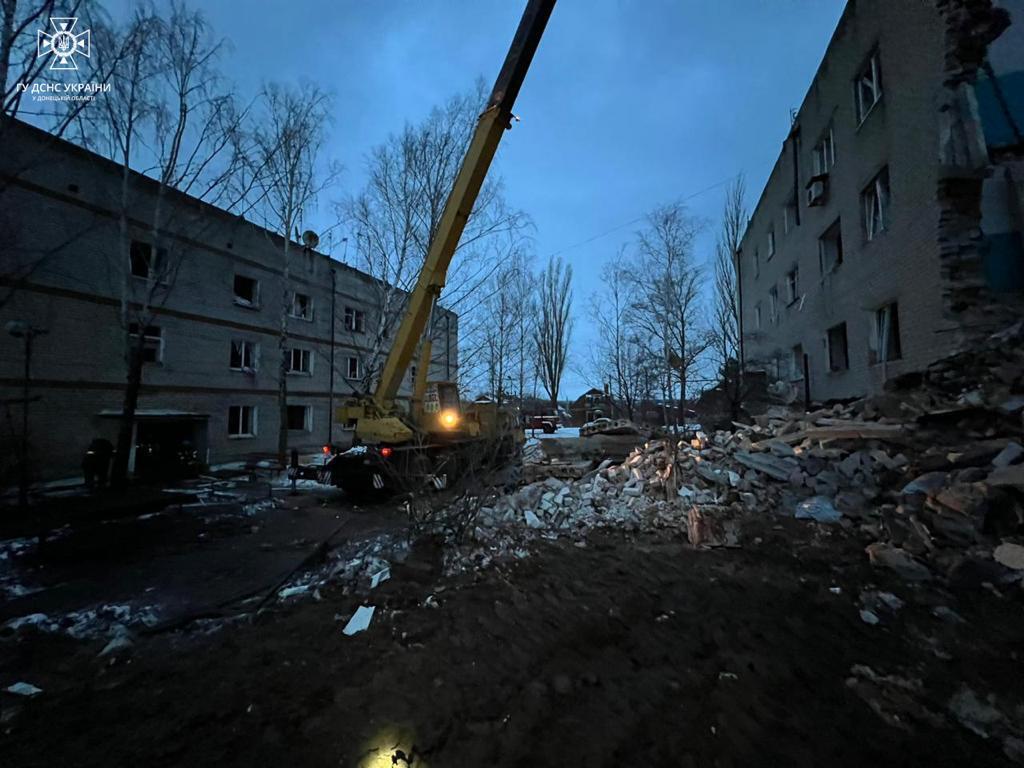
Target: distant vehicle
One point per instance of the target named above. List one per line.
(547, 423)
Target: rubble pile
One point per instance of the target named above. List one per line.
(932, 471)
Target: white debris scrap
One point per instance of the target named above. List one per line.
(23, 689)
(360, 620)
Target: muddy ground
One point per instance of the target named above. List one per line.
(630, 650)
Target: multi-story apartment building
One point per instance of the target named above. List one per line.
(889, 227)
(211, 291)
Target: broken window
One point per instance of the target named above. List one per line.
(412, 373)
(144, 264)
(773, 295)
(868, 87)
(353, 368)
(757, 264)
(771, 243)
(792, 285)
(875, 200)
(355, 320)
(838, 357)
(299, 361)
(830, 249)
(885, 336)
(824, 153)
(242, 421)
(152, 342)
(789, 220)
(302, 306)
(300, 418)
(247, 291)
(757, 316)
(797, 363)
(243, 355)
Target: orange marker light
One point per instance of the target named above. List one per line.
(385, 452)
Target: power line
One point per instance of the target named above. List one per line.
(638, 219)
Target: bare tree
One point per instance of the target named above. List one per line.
(172, 127)
(498, 338)
(554, 326)
(21, 70)
(726, 309)
(397, 213)
(288, 145)
(666, 291)
(621, 356)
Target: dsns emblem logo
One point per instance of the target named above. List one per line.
(63, 44)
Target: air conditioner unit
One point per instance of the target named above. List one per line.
(816, 189)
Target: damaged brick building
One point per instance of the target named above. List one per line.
(211, 372)
(889, 232)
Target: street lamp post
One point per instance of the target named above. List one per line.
(22, 329)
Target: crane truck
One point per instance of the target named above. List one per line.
(436, 439)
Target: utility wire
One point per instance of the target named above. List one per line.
(638, 219)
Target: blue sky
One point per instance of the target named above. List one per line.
(629, 103)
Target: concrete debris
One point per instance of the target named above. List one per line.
(360, 620)
(819, 509)
(23, 689)
(927, 473)
(1010, 555)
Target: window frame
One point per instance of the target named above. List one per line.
(157, 273)
(307, 418)
(773, 307)
(771, 243)
(758, 320)
(358, 321)
(147, 339)
(244, 344)
(253, 422)
(241, 301)
(846, 348)
(878, 193)
(308, 317)
(305, 354)
(792, 285)
(823, 154)
(349, 359)
(873, 66)
(876, 340)
(824, 238)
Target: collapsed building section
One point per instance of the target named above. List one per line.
(889, 232)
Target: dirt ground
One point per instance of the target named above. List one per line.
(629, 650)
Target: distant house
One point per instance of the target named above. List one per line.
(592, 404)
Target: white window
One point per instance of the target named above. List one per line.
(300, 418)
(876, 205)
(412, 373)
(830, 249)
(355, 320)
(299, 361)
(152, 342)
(145, 264)
(241, 421)
(792, 285)
(757, 316)
(835, 341)
(885, 335)
(243, 355)
(247, 291)
(302, 306)
(353, 368)
(773, 295)
(868, 87)
(824, 153)
(771, 243)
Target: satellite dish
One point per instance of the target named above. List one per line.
(310, 239)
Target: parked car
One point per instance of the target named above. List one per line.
(546, 423)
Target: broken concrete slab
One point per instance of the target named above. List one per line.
(898, 560)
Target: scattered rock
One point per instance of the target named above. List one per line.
(1010, 555)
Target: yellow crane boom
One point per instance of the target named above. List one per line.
(495, 119)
